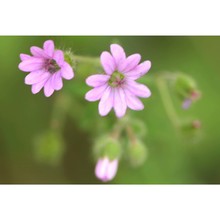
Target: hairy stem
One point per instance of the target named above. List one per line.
(59, 112)
(167, 101)
(130, 134)
(87, 59)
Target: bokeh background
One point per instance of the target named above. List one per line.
(172, 158)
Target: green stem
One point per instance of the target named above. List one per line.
(117, 129)
(131, 135)
(59, 112)
(167, 101)
(86, 59)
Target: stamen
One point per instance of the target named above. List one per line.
(51, 66)
(116, 79)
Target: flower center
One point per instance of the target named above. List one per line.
(116, 79)
(51, 66)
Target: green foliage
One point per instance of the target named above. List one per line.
(49, 147)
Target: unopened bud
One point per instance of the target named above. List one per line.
(191, 128)
(107, 147)
(69, 58)
(196, 124)
(137, 153)
(106, 169)
(186, 89)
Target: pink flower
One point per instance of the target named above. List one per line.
(105, 169)
(117, 88)
(47, 67)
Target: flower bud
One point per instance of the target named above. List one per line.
(49, 147)
(186, 89)
(137, 153)
(191, 128)
(69, 58)
(106, 169)
(107, 147)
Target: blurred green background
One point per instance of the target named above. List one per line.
(171, 158)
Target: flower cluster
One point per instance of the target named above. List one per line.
(116, 88)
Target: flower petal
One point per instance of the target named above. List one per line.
(59, 57)
(140, 70)
(97, 80)
(49, 47)
(120, 105)
(101, 168)
(38, 52)
(112, 170)
(24, 56)
(118, 55)
(131, 62)
(186, 103)
(57, 81)
(67, 71)
(137, 89)
(36, 77)
(31, 64)
(133, 102)
(48, 88)
(107, 62)
(38, 86)
(96, 93)
(106, 102)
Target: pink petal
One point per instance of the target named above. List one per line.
(24, 56)
(48, 88)
(96, 93)
(36, 77)
(112, 170)
(107, 62)
(67, 71)
(38, 86)
(59, 57)
(131, 62)
(137, 89)
(120, 105)
(56, 81)
(186, 103)
(106, 102)
(97, 80)
(101, 167)
(38, 52)
(49, 47)
(118, 55)
(140, 70)
(31, 64)
(133, 102)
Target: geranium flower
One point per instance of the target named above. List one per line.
(47, 67)
(117, 88)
